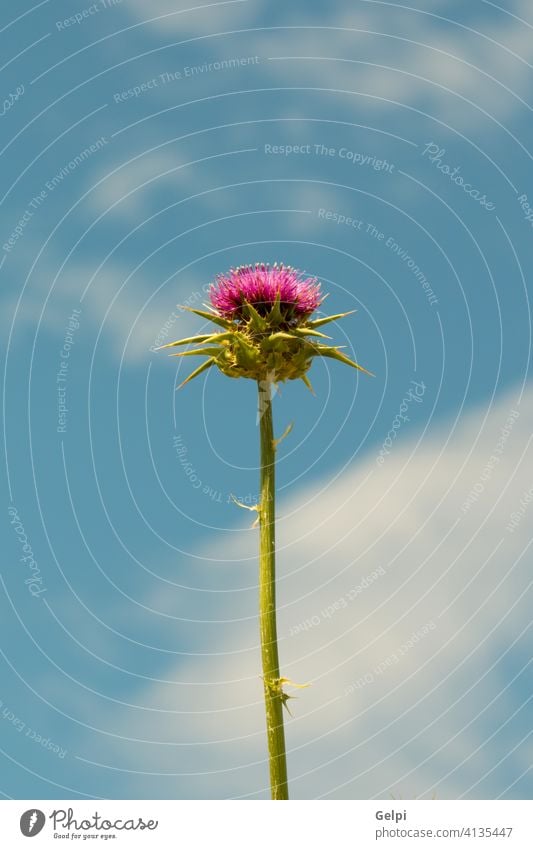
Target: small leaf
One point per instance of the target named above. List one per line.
(216, 319)
(335, 354)
(244, 344)
(293, 683)
(280, 334)
(212, 352)
(257, 321)
(220, 337)
(318, 322)
(247, 354)
(308, 384)
(275, 313)
(303, 332)
(187, 341)
(285, 433)
(254, 509)
(196, 372)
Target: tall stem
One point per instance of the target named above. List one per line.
(267, 600)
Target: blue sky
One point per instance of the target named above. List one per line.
(140, 160)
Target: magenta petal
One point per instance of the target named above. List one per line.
(260, 285)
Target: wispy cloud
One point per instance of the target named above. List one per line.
(460, 70)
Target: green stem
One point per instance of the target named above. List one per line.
(267, 600)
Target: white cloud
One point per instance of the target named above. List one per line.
(433, 53)
(421, 717)
(119, 304)
(135, 320)
(129, 188)
(194, 17)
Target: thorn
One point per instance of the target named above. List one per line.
(254, 509)
(308, 383)
(284, 699)
(196, 372)
(276, 442)
(294, 684)
(275, 685)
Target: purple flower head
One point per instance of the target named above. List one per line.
(261, 285)
(267, 333)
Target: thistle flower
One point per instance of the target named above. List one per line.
(261, 286)
(267, 332)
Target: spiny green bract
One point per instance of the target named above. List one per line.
(264, 348)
